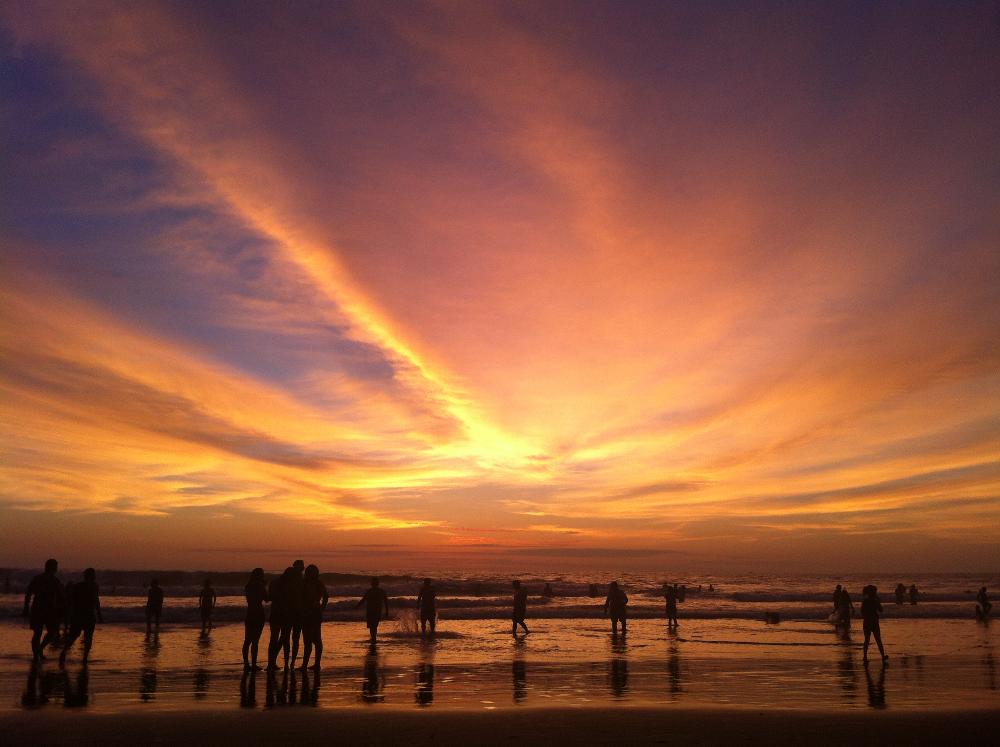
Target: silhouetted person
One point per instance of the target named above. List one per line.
(206, 603)
(670, 596)
(84, 614)
(375, 602)
(314, 601)
(615, 607)
(47, 602)
(295, 597)
(900, 593)
(844, 607)
(914, 594)
(520, 610)
(427, 603)
(871, 608)
(253, 625)
(547, 591)
(281, 617)
(984, 605)
(154, 605)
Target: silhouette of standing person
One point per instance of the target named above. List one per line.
(427, 602)
(281, 618)
(47, 601)
(253, 625)
(914, 594)
(615, 607)
(154, 605)
(984, 605)
(206, 603)
(670, 595)
(296, 610)
(871, 608)
(375, 602)
(84, 614)
(900, 593)
(520, 610)
(314, 601)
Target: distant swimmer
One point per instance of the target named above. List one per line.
(376, 603)
(84, 614)
(154, 605)
(295, 606)
(314, 601)
(427, 604)
(914, 594)
(46, 597)
(900, 593)
(842, 607)
(984, 605)
(206, 604)
(711, 587)
(670, 596)
(547, 591)
(615, 606)
(253, 625)
(871, 609)
(520, 610)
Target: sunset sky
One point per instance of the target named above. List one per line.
(621, 285)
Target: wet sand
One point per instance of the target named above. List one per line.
(530, 726)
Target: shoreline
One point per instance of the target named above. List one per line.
(528, 726)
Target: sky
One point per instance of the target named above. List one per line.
(501, 285)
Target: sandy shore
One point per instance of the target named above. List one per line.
(530, 726)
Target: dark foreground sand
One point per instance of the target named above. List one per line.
(534, 726)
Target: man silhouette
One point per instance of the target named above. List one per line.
(427, 602)
(375, 602)
(520, 610)
(614, 606)
(206, 603)
(47, 602)
(84, 614)
(295, 606)
(154, 605)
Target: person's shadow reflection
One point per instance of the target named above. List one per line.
(519, 675)
(40, 687)
(674, 663)
(147, 676)
(310, 690)
(847, 674)
(373, 684)
(78, 695)
(618, 667)
(424, 693)
(248, 689)
(876, 689)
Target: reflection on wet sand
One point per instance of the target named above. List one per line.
(41, 686)
(147, 675)
(310, 689)
(876, 688)
(373, 685)
(674, 663)
(424, 692)
(618, 667)
(77, 695)
(248, 689)
(519, 673)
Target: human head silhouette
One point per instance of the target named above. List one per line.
(312, 571)
(155, 582)
(517, 584)
(298, 565)
(257, 573)
(89, 575)
(613, 585)
(51, 565)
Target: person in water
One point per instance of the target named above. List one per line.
(520, 610)
(314, 601)
(375, 602)
(615, 606)
(253, 625)
(547, 591)
(84, 614)
(154, 605)
(427, 604)
(914, 594)
(900, 593)
(871, 608)
(281, 618)
(670, 596)
(296, 609)
(984, 605)
(47, 601)
(206, 604)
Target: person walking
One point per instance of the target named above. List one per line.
(84, 614)
(520, 610)
(871, 609)
(375, 602)
(427, 603)
(46, 599)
